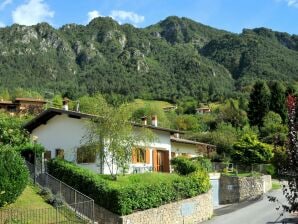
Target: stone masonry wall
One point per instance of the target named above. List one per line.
(250, 188)
(228, 190)
(192, 210)
(237, 189)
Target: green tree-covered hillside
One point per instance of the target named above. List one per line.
(172, 59)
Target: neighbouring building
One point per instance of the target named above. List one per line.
(23, 105)
(203, 110)
(63, 134)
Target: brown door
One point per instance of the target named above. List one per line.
(161, 161)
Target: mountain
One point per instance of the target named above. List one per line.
(256, 54)
(172, 59)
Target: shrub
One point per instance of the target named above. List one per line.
(271, 170)
(205, 163)
(184, 166)
(132, 192)
(13, 175)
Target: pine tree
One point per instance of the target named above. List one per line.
(278, 99)
(259, 103)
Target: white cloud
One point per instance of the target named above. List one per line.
(292, 3)
(2, 24)
(32, 12)
(93, 14)
(125, 16)
(5, 3)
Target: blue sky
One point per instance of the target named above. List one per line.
(231, 15)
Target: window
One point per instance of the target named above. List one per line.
(173, 154)
(60, 153)
(86, 154)
(138, 155)
(186, 155)
(47, 155)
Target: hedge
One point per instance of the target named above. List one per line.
(13, 175)
(132, 192)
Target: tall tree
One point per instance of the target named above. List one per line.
(278, 99)
(259, 103)
(114, 136)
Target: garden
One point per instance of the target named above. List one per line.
(135, 192)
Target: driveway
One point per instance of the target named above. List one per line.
(257, 212)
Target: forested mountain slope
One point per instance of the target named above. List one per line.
(174, 58)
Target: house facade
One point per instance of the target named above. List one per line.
(23, 105)
(64, 133)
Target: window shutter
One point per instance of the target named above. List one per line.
(147, 156)
(166, 162)
(154, 160)
(133, 155)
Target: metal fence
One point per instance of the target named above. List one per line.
(58, 215)
(76, 201)
(240, 168)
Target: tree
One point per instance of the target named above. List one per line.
(231, 113)
(290, 169)
(14, 175)
(114, 135)
(273, 131)
(11, 131)
(278, 99)
(249, 150)
(92, 104)
(259, 103)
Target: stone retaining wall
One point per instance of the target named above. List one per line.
(192, 210)
(236, 189)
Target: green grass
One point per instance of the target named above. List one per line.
(31, 208)
(29, 199)
(138, 103)
(248, 174)
(142, 178)
(276, 185)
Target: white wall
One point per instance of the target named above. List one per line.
(180, 148)
(62, 132)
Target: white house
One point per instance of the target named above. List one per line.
(63, 134)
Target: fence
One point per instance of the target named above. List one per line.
(240, 168)
(79, 203)
(58, 215)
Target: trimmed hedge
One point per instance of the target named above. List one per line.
(13, 175)
(132, 192)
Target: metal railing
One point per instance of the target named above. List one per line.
(76, 201)
(240, 168)
(58, 215)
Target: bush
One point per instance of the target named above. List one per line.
(271, 170)
(184, 166)
(205, 163)
(13, 175)
(132, 192)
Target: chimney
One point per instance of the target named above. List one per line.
(154, 120)
(144, 120)
(65, 103)
(176, 135)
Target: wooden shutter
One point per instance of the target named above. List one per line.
(134, 155)
(154, 160)
(147, 156)
(166, 162)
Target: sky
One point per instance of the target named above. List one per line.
(230, 15)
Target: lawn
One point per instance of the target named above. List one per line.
(247, 174)
(276, 185)
(142, 178)
(31, 208)
(138, 103)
